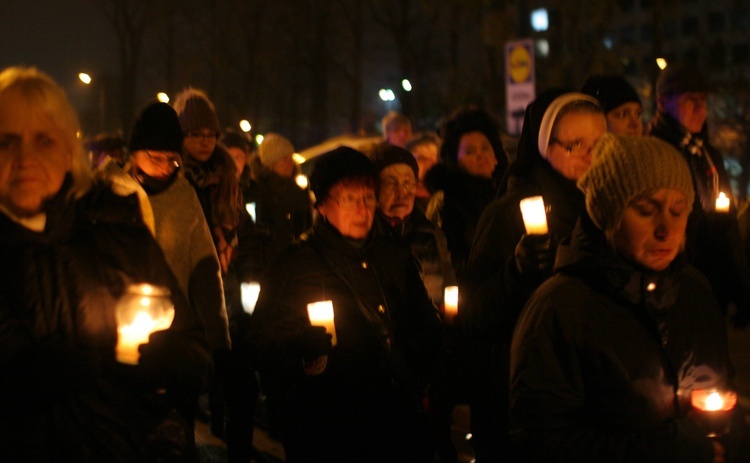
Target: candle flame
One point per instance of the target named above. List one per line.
(714, 402)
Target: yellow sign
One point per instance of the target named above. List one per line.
(520, 64)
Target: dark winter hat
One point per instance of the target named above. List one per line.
(343, 163)
(677, 79)
(611, 91)
(385, 154)
(274, 147)
(467, 120)
(157, 128)
(624, 167)
(196, 111)
(233, 139)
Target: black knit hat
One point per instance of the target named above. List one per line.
(677, 79)
(343, 163)
(385, 154)
(611, 91)
(157, 128)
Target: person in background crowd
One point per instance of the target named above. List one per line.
(282, 207)
(105, 147)
(357, 400)
(398, 219)
(425, 147)
(608, 351)
(211, 171)
(714, 245)
(70, 248)
(466, 181)
(238, 146)
(506, 265)
(620, 102)
(396, 129)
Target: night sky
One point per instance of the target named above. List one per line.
(60, 37)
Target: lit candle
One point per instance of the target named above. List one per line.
(249, 292)
(722, 203)
(250, 208)
(534, 218)
(321, 314)
(714, 409)
(142, 310)
(450, 302)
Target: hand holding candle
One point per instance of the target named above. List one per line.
(321, 314)
(142, 310)
(713, 410)
(534, 216)
(450, 302)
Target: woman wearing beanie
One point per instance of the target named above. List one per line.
(506, 265)
(473, 162)
(608, 351)
(620, 102)
(283, 209)
(211, 171)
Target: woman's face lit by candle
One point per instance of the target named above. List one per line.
(652, 230)
(350, 208)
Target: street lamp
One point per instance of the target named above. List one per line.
(406, 85)
(245, 125)
(88, 80)
(163, 97)
(661, 62)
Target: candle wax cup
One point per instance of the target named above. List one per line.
(534, 216)
(722, 203)
(712, 410)
(321, 314)
(450, 302)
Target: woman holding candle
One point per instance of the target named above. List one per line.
(70, 247)
(357, 400)
(506, 263)
(607, 351)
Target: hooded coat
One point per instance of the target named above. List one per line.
(605, 355)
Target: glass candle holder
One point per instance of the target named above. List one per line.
(142, 310)
(713, 410)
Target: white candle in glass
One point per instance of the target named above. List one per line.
(249, 292)
(534, 217)
(321, 314)
(722, 203)
(450, 302)
(142, 310)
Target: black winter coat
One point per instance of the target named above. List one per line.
(64, 398)
(605, 355)
(367, 397)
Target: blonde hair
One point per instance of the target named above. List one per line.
(39, 91)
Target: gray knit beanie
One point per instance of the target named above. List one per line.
(624, 167)
(196, 111)
(274, 148)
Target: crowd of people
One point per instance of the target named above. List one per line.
(587, 341)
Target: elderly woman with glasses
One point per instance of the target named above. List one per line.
(349, 392)
(70, 249)
(506, 265)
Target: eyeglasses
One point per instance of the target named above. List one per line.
(198, 136)
(350, 202)
(163, 160)
(576, 149)
(392, 185)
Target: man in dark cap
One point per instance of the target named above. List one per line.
(713, 241)
(349, 392)
(620, 102)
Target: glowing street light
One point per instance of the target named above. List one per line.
(386, 94)
(245, 125)
(163, 97)
(259, 139)
(661, 62)
(406, 85)
(85, 78)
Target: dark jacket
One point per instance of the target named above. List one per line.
(605, 355)
(282, 208)
(388, 335)
(458, 200)
(427, 243)
(713, 245)
(64, 397)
